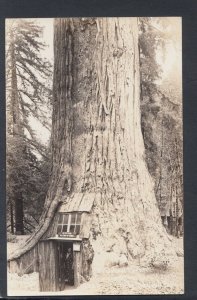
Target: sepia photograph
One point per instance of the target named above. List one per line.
(94, 156)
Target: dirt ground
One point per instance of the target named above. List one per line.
(130, 280)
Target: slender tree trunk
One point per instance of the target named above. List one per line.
(16, 131)
(14, 92)
(11, 217)
(97, 143)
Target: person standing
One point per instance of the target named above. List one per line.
(69, 268)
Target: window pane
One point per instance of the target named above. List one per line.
(72, 228)
(59, 228)
(77, 229)
(73, 217)
(66, 219)
(60, 219)
(78, 219)
(64, 228)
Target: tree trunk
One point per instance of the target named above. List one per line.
(16, 131)
(19, 214)
(11, 218)
(97, 143)
(15, 111)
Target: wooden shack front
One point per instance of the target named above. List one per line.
(52, 271)
(64, 253)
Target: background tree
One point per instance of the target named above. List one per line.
(28, 77)
(161, 105)
(97, 144)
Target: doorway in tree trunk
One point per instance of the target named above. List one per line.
(65, 264)
(57, 265)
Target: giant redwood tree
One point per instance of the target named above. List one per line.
(97, 144)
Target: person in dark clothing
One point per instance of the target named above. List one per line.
(69, 270)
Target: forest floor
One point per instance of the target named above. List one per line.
(130, 280)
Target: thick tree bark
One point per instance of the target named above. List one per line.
(97, 143)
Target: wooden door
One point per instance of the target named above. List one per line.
(61, 277)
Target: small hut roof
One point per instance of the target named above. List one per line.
(79, 202)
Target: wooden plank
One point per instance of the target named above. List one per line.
(71, 203)
(78, 202)
(26, 264)
(65, 239)
(77, 268)
(87, 202)
(48, 275)
(13, 266)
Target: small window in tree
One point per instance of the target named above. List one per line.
(69, 224)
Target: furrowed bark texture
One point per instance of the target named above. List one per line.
(97, 139)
